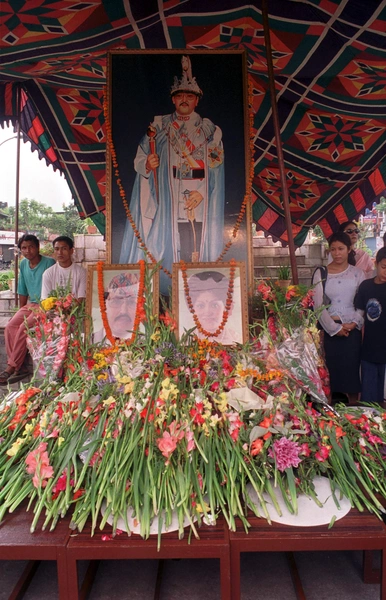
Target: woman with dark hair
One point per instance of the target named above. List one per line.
(341, 322)
(362, 259)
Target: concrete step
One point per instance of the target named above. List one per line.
(270, 271)
(277, 260)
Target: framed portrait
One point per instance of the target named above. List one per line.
(179, 124)
(200, 295)
(120, 284)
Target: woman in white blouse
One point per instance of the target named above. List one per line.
(340, 321)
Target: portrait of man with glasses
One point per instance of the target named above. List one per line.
(121, 303)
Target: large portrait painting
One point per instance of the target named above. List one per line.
(179, 127)
(120, 295)
(212, 299)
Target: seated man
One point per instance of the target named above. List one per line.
(29, 289)
(64, 273)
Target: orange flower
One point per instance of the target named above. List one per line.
(256, 447)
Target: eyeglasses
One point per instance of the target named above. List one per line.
(117, 301)
(351, 231)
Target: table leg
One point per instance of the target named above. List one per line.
(225, 576)
(369, 574)
(72, 578)
(235, 572)
(61, 567)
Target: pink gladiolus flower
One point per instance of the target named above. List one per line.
(374, 439)
(38, 465)
(190, 444)
(234, 425)
(305, 449)
(322, 454)
(286, 453)
(175, 430)
(265, 291)
(167, 444)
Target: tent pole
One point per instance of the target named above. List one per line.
(17, 193)
(279, 148)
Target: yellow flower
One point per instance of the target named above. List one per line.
(28, 428)
(60, 441)
(109, 401)
(200, 508)
(124, 379)
(156, 335)
(129, 387)
(222, 403)
(14, 449)
(102, 376)
(48, 303)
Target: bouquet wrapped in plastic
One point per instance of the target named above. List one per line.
(49, 339)
(300, 358)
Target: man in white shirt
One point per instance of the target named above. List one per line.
(64, 273)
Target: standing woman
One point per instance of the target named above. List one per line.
(340, 321)
(362, 259)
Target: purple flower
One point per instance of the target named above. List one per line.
(286, 453)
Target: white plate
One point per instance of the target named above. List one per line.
(309, 513)
(135, 526)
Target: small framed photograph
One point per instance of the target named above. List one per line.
(120, 293)
(211, 297)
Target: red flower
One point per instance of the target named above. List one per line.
(169, 321)
(257, 447)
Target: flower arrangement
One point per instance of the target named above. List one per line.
(55, 324)
(165, 428)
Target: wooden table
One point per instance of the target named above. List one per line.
(213, 543)
(356, 531)
(18, 543)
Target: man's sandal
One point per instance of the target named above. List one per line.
(18, 376)
(4, 377)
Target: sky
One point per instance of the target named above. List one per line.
(37, 180)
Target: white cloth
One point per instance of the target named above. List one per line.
(58, 276)
(340, 289)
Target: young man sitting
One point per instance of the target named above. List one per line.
(29, 289)
(64, 273)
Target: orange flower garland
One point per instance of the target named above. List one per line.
(139, 310)
(248, 191)
(228, 303)
(122, 194)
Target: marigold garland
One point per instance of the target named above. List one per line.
(139, 309)
(228, 303)
(122, 193)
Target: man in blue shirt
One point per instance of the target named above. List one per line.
(29, 290)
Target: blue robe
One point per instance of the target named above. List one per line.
(157, 218)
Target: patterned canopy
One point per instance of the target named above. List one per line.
(330, 71)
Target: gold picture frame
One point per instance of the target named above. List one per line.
(119, 279)
(208, 289)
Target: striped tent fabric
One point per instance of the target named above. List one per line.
(330, 74)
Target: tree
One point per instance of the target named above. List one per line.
(38, 218)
